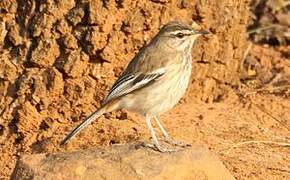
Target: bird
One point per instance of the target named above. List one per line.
(154, 81)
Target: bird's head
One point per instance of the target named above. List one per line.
(179, 36)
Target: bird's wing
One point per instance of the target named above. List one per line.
(131, 82)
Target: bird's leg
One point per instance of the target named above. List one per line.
(164, 132)
(167, 138)
(155, 140)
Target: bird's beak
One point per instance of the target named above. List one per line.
(201, 32)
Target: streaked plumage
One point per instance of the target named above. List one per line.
(155, 80)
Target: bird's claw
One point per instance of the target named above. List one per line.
(176, 143)
(160, 148)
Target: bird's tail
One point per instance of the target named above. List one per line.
(86, 122)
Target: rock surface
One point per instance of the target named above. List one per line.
(129, 161)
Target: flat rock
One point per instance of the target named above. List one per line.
(128, 161)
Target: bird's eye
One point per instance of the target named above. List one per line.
(179, 35)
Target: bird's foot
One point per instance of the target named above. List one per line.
(176, 143)
(162, 149)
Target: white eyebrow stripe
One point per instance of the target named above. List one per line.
(186, 32)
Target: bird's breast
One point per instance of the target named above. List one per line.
(164, 93)
(167, 92)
